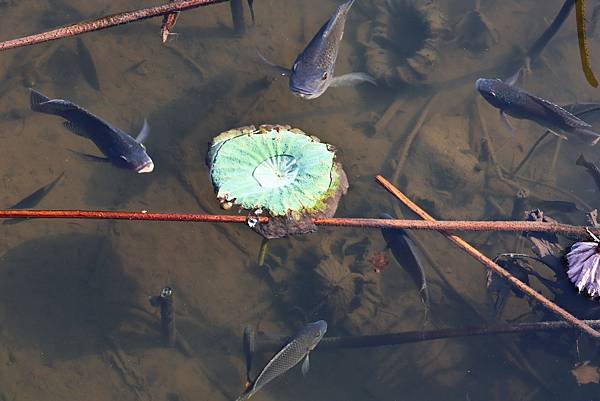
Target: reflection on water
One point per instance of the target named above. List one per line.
(76, 322)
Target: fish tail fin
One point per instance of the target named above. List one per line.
(581, 160)
(43, 104)
(36, 100)
(345, 7)
(245, 396)
(592, 136)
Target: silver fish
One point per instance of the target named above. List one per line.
(312, 72)
(517, 103)
(297, 349)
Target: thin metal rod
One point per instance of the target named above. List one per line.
(489, 263)
(105, 22)
(506, 226)
(110, 215)
(382, 340)
(445, 225)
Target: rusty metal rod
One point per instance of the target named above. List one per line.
(110, 215)
(105, 22)
(489, 263)
(507, 226)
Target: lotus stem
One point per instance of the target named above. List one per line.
(489, 263)
(584, 52)
(106, 22)
(110, 215)
(450, 225)
(406, 337)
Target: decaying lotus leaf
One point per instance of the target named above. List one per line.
(278, 171)
(586, 373)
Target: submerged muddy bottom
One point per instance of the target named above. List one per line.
(75, 321)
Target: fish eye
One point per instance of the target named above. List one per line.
(325, 75)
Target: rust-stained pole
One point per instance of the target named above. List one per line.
(109, 215)
(508, 226)
(105, 22)
(489, 263)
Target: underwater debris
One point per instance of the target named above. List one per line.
(168, 22)
(164, 301)
(379, 261)
(585, 373)
(545, 245)
(475, 32)
(277, 171)
(347, 297)
(401, 41)
(584, 52)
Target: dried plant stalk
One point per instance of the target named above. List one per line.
(584, 52)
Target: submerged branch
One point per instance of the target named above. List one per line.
(584, 52)
(106, 22)
(382, 340)
(487, 262)
(507, 226)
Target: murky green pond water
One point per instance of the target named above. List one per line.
(75, 321)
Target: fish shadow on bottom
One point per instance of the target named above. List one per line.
(55, 295)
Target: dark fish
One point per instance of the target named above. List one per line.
(592, 168)
(119, 147)
(251, 7)
(33, 199)
(522, 105)
(297, 349)
(312, 72)
(501, 288)
(237, 15)
(87, 65)
(408, 255)
(249, 346)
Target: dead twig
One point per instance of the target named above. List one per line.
(489, 263)
(106, 22)
(584, 52)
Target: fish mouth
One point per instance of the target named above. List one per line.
(303, 93)
(145, 168)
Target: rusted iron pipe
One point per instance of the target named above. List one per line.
(105, 22)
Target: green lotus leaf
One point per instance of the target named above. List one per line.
(275, 168)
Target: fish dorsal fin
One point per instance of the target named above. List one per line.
(342, 9)
(277, 69)
(512, 80)
(144, 132)
(567, 117)
(504, 118)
